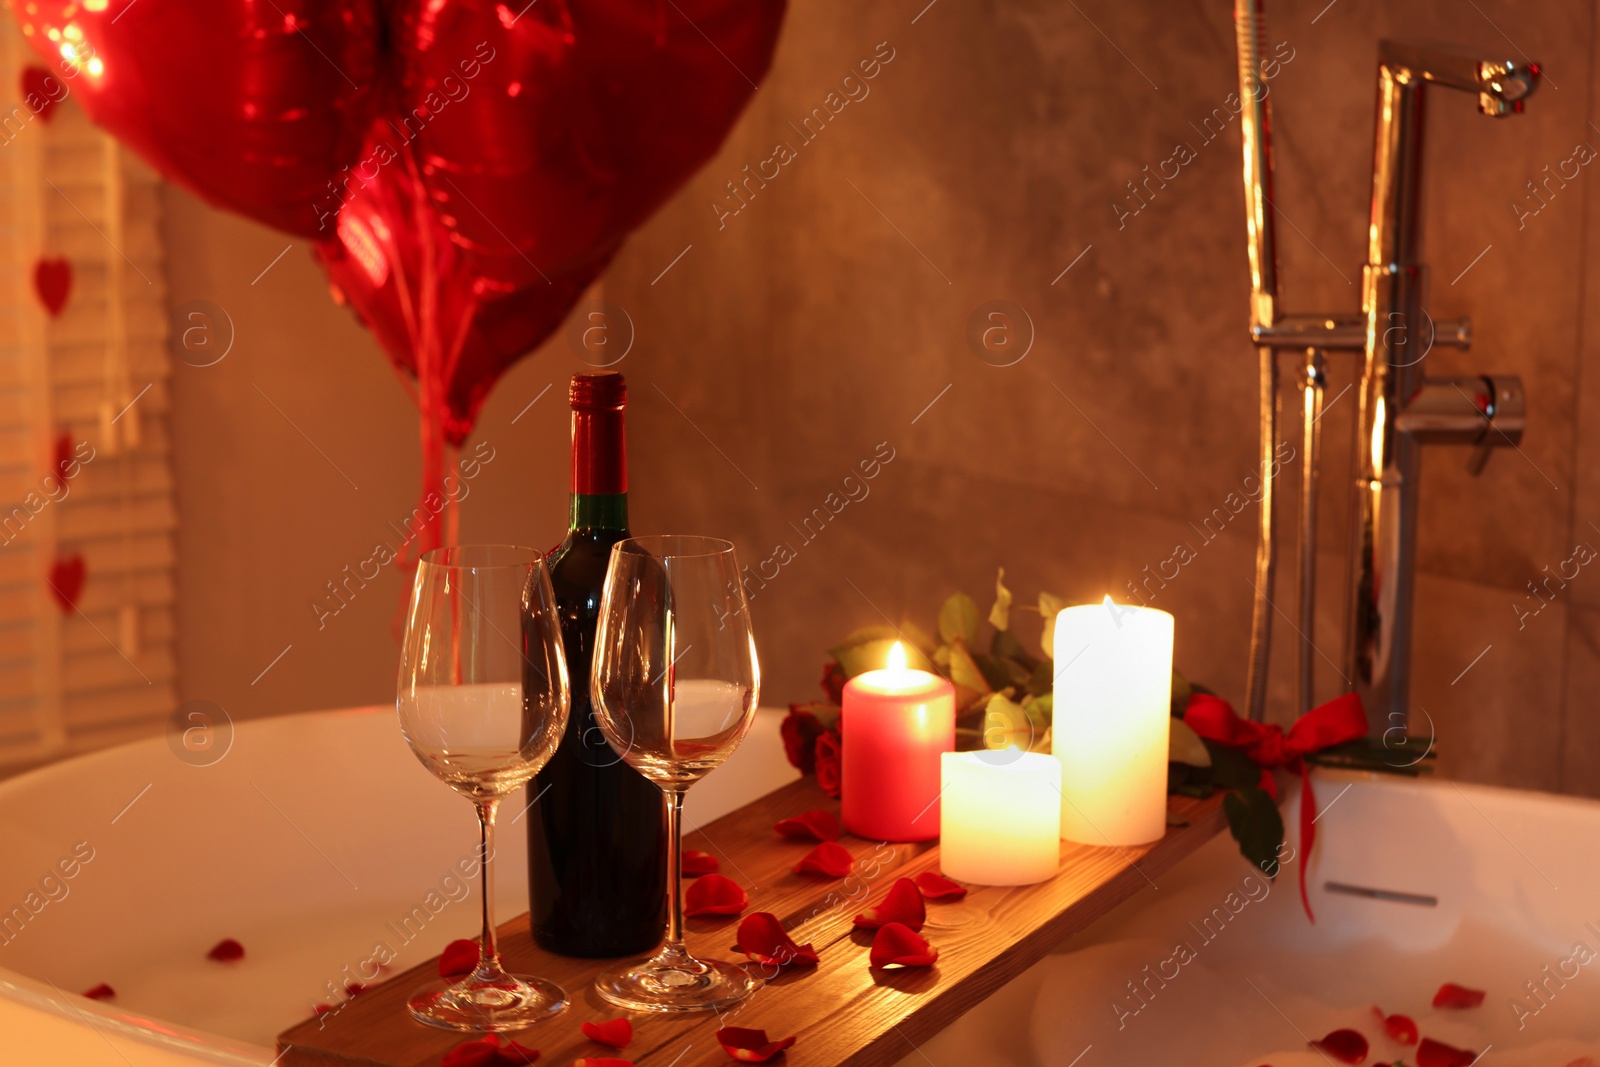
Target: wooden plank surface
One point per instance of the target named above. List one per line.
(843, 1012)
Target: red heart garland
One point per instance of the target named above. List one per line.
(714, 894)
(614, 1032)
(763, 938)
(42, 91)
(52, 283)
(902, 904)
(67, 576)
(816, 825)
(900, 946)
(750, 1046)
(829, 859)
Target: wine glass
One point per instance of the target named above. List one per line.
(674, 683)
(483, 702)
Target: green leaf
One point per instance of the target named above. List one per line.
(1185, 746)
(1231, 768)
(1042, 683)
(1007, 723)
(966, 675)
(916, 636)
(959, 618)
(1180, 694)
(1000, 613)
(1257, 826)
(1050, 605)
(872, 654)
(1006, 645)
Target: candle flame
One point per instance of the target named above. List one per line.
(897, 657)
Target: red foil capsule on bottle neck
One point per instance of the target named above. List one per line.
(599, 458)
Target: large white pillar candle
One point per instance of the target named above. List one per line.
(1000, 822)
(1112, 717)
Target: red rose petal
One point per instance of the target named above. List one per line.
(937, 887)
(697, 863)
(476, 1053)
(512, 1052)
(458, 958)
(750, 1046)
(1401, 1028)
(814, 825)
(1433, 1053)
(1346, 1045)
(902, 904)
(897, 944)
(1451, 995)
(603, 1061)
(226, 950)
(321, 1009)
(763, 938)
(614, 1032)
(713, 894)
(828, 858)
(352, 988)
(101, 992)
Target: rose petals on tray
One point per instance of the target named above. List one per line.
(695, 863)
(1451, 995)
(101, 992)
(814, 825)
(614, 1032)
(902, 904)
(714, 894)
(459, 958)
(896, 944)
(937, 887)
(763, 938)
(750, 1046)
(488, 1051)
(829, 858)
(227, 950)
(1347, 1046)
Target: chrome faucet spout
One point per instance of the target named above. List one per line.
(1500, 84)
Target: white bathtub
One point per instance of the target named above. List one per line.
(1516, 880)
(315, 832)
(304, 842)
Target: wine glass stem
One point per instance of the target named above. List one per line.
(489, 952)
(674, 944)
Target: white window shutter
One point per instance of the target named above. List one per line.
(103, 671)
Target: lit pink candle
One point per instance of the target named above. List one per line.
(897, 722)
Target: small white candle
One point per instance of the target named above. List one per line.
(1000, 822)
(1112, 717)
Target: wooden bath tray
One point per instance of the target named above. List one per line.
(842, 1012)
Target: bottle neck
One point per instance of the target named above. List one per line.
(599, 470)
(600, 511)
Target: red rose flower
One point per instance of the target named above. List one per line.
(827, 755)
(833, 679)
(800, 730)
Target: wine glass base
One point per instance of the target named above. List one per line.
(514, 1003)
(662, 986)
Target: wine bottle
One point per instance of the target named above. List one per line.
(597, 847)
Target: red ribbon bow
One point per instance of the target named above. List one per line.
(1340, 720)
